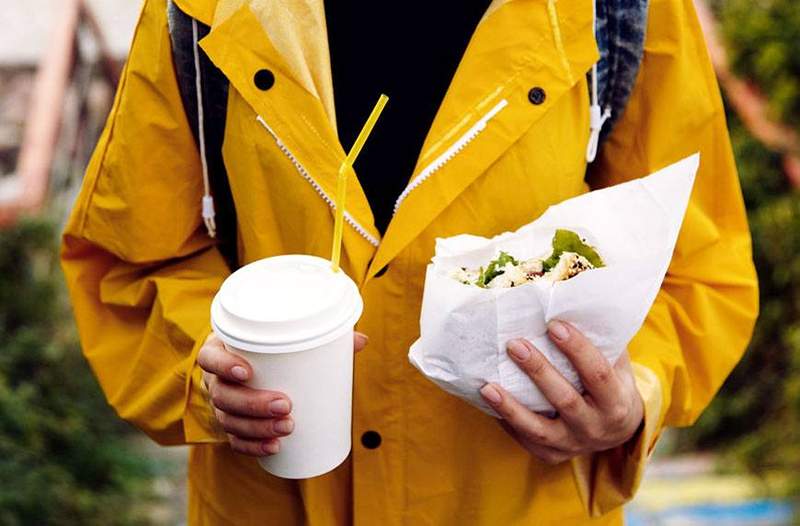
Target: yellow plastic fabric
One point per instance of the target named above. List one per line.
(142, 272)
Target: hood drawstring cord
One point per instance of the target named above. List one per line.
(596, 118)
(208, 201)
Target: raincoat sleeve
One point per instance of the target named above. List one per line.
(139, 266)
(703, 316)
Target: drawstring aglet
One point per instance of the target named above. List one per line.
(596, 122)
(208, 216)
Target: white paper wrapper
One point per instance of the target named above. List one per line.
(464, 329)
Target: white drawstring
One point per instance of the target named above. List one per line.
(596, 118)
(208, 201)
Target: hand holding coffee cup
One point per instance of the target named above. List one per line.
(253, 419)
(290, 322)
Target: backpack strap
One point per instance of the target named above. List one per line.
(620, 32)
(214, 87)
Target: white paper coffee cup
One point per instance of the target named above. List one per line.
(292, 318)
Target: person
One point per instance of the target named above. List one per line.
(487, 125)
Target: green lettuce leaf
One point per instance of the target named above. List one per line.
(495, 268)
(568, 241)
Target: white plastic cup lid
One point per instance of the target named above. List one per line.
(285, 304)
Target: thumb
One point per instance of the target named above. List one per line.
(214, 358)
(360, 340)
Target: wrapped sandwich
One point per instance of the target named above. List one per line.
(596, 261)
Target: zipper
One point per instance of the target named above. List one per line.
(307, 176)
(457, 147)
(451, 152)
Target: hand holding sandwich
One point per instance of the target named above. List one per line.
(607, 415)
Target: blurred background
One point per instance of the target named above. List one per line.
(66, 459)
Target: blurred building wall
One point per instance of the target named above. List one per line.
(27, 24)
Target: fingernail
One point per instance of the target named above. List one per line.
(361, 339)
(518, 350)
(491, 393)
(239, 372)
(558, 330)
(284, 426)
(279, 407)
(271, 447)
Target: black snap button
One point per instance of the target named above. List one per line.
(371, 439)
(536, 95)
(264, 79)
(382, 271)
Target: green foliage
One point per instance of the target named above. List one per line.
(64, 458)
(762, 40)
(755, 419)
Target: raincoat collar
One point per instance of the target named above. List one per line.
(297, 31)
(517, 47)
(201, 10)
(289, 114)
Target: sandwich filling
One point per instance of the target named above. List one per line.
(570, 256)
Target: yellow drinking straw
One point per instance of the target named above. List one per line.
(341, 182)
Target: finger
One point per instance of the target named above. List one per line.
(623, 364)
(239, 400)
(597, 375)
(527, 424)
(215, 359)
(254, 428)
(255, 448)
(624, 371)
(559, 392)
(360, 340)
(548, 455)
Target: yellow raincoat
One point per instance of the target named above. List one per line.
(142, 270)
